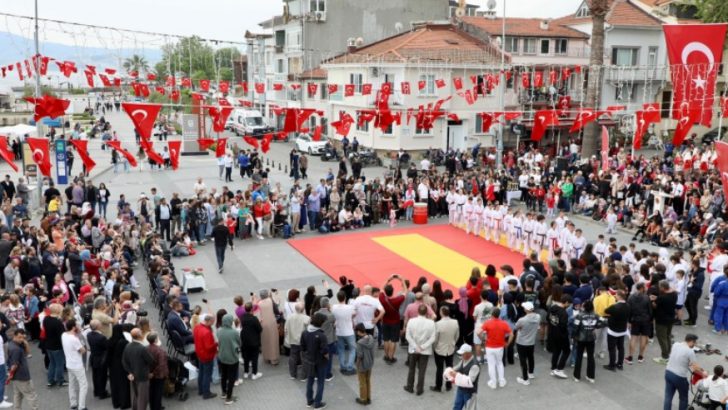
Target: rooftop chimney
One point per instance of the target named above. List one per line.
(544, 24)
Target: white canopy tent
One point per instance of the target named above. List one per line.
(19, 130)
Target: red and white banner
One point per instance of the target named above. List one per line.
(265, 143)
(41, 154)
(684, 124)
(82, 150)
(695, 51)
(116, 146)
(174, 151)
(143, 116)
(148, 147)
(541, 121)
(605, 149)
(584, 117)
(721, 149)
(6, 153)
(220, 148)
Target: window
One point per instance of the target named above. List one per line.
(545, 46)
(429, 80)
(583, 11)
(312, 123)
(356, 79)
(625, 56)
(318, 5)
(389, 130)
(389, 78)
(279, 66)
(478, 124)
(422, 131)
(364, 126)
(324, 91)
(511, 44)
(324, 126)
(624, 92)
(562, 46)
(529, 46)
(652, 57)
(280, 39)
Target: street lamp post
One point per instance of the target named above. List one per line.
(501, 94)
(38, 124)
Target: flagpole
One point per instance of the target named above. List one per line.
(501, 94)
(38, 124)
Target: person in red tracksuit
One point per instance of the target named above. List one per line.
(206, 350)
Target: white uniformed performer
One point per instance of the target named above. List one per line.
(578, 243)
(451, 206)
(517, 231)
(528, 227)
(561, 221)
(476, 217)
(467, 213)
(540, 235)
(508, 229)
(600, 249)
(552, 239)
(499, 213)
(565, 238)
(460, 200)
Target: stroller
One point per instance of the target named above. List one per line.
(699, 392)
(176, 382)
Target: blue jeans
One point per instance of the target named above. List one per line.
(320, 374)
(201, 231)
(220, 255)
(56, 366)
(346, 348)
(461, 398)
(102, 208)
(204, 378)
(674, 382)
(3, 378)
(330, 363)
(313, 220)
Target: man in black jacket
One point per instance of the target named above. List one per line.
(220, 234)
(664, 309)
(618, 317)
(250, 340)
(640, 319)
(98, 345)
(315, 352)
(137, 361)
(6, 245)
(558, 336)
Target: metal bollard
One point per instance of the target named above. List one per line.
(266, 162)
(286, 169)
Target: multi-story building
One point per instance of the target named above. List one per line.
(430, 54)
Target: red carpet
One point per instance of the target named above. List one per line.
(370, 257)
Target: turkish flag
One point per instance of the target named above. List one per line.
(343, 125)
(186, 82)
(605, 149)
(159, 89)
(151, 76)
(277, 87)
(134, 74)
(44, 65)
(116, 146)
(651, 112)
(724, 107)
(421, 84)
(170, 81)
(41, 154)
(317, 133)
(259, 88)
(643, 120)
(405, 86)
(82, 150)
(487, 121)
(333, 88)
(6, 154)
(265, 142)
(721, 150)
(219, 117)
(552, 77)
(28, 70)
(105, 80)
(508, 115)
(565, 102)
(224, 87)
(295, 118)
(220, 148)
(584, 117)
(174, 95)
(117, 82)
(695, 52)
(143, 116)
(174, 149)
(148, 148)
(48, 106)
(110, 71)
(144, 90)
(205, 143)
(349, 90)
(312, 88)
(525, 80)
(565, 73)
(251, 141)
(541, 121)
(684, 124)
(66, 67)
(457, 82)
(439, 83)
(205, 85)
(538, 79)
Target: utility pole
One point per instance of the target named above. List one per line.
(38, 124)
(501, 94)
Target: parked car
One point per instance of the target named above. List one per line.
(248, 122)
(304, 143)
(712, 135)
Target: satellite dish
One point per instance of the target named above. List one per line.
(491, 4)
(398, 27)
(359, 41)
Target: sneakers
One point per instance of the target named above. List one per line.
(246, 375)
(238, 382)
(502, 383)
(320, 406)
(559, 374)
(492, 385)
(628, 359)
(601, 355)
(5, 405)
(590, 380)
(256, 376)
(640, 359)
(523, 382)
(660, 360)
(610, 368)
(328, 379)
(576, 379)
(531, 376)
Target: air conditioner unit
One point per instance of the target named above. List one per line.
(320, 16)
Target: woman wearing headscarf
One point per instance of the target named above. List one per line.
(120, 392)
(269, 337)
(465, 318)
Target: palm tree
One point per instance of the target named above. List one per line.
(136, 63)
(598, 10)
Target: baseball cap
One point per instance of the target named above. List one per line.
(576, 301)
(527, 306)
(465, 348)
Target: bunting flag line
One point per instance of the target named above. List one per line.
(205, 143)
(82, 150)
(541, 121)
(143, 116)
(265, 143)
(116, 146)
(48, 106)
(251, 141)
(174, 151)
(148, 147)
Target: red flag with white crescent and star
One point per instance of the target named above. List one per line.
(220, 148)
(486, 121)
(40, 147)
(82, 150)
(643, 120)
(48, 106)
(205, 143)
(584, 117)
(6, 153)
(116, 146)
(148, 147)
(684, 124)
(695, 52)
(541, 121)
(251, 141)
(605, 149)
(143, 116)
(174, 148)
(265, 143)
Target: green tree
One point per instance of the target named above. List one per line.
(711, 11)
(598, 10)
(191, 57)
(136, 63)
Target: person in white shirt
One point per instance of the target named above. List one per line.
(528, 228)
(423, 190)
(199, 187)
(508, 228)
(481, 313)
(561, 221)
(73, 350)
(552, 239)
(421, 335)
(611, 221)
(540, 234)
(460, 200)
(717, 387)
(467, 214)
(578, 243)
(450, 199)
(344, 327)
(600, 249)
(517, 229)
(425, 164)
(369, 310)
(476, 217)
(465, 376)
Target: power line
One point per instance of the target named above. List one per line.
(150, 33)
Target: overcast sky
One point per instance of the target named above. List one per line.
(218, 19)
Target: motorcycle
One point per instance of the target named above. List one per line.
(366, 157)
(330, 154)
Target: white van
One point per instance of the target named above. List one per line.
(248, 122)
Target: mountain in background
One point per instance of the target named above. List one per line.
(14, 48)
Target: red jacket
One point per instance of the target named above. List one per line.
(205, 344)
